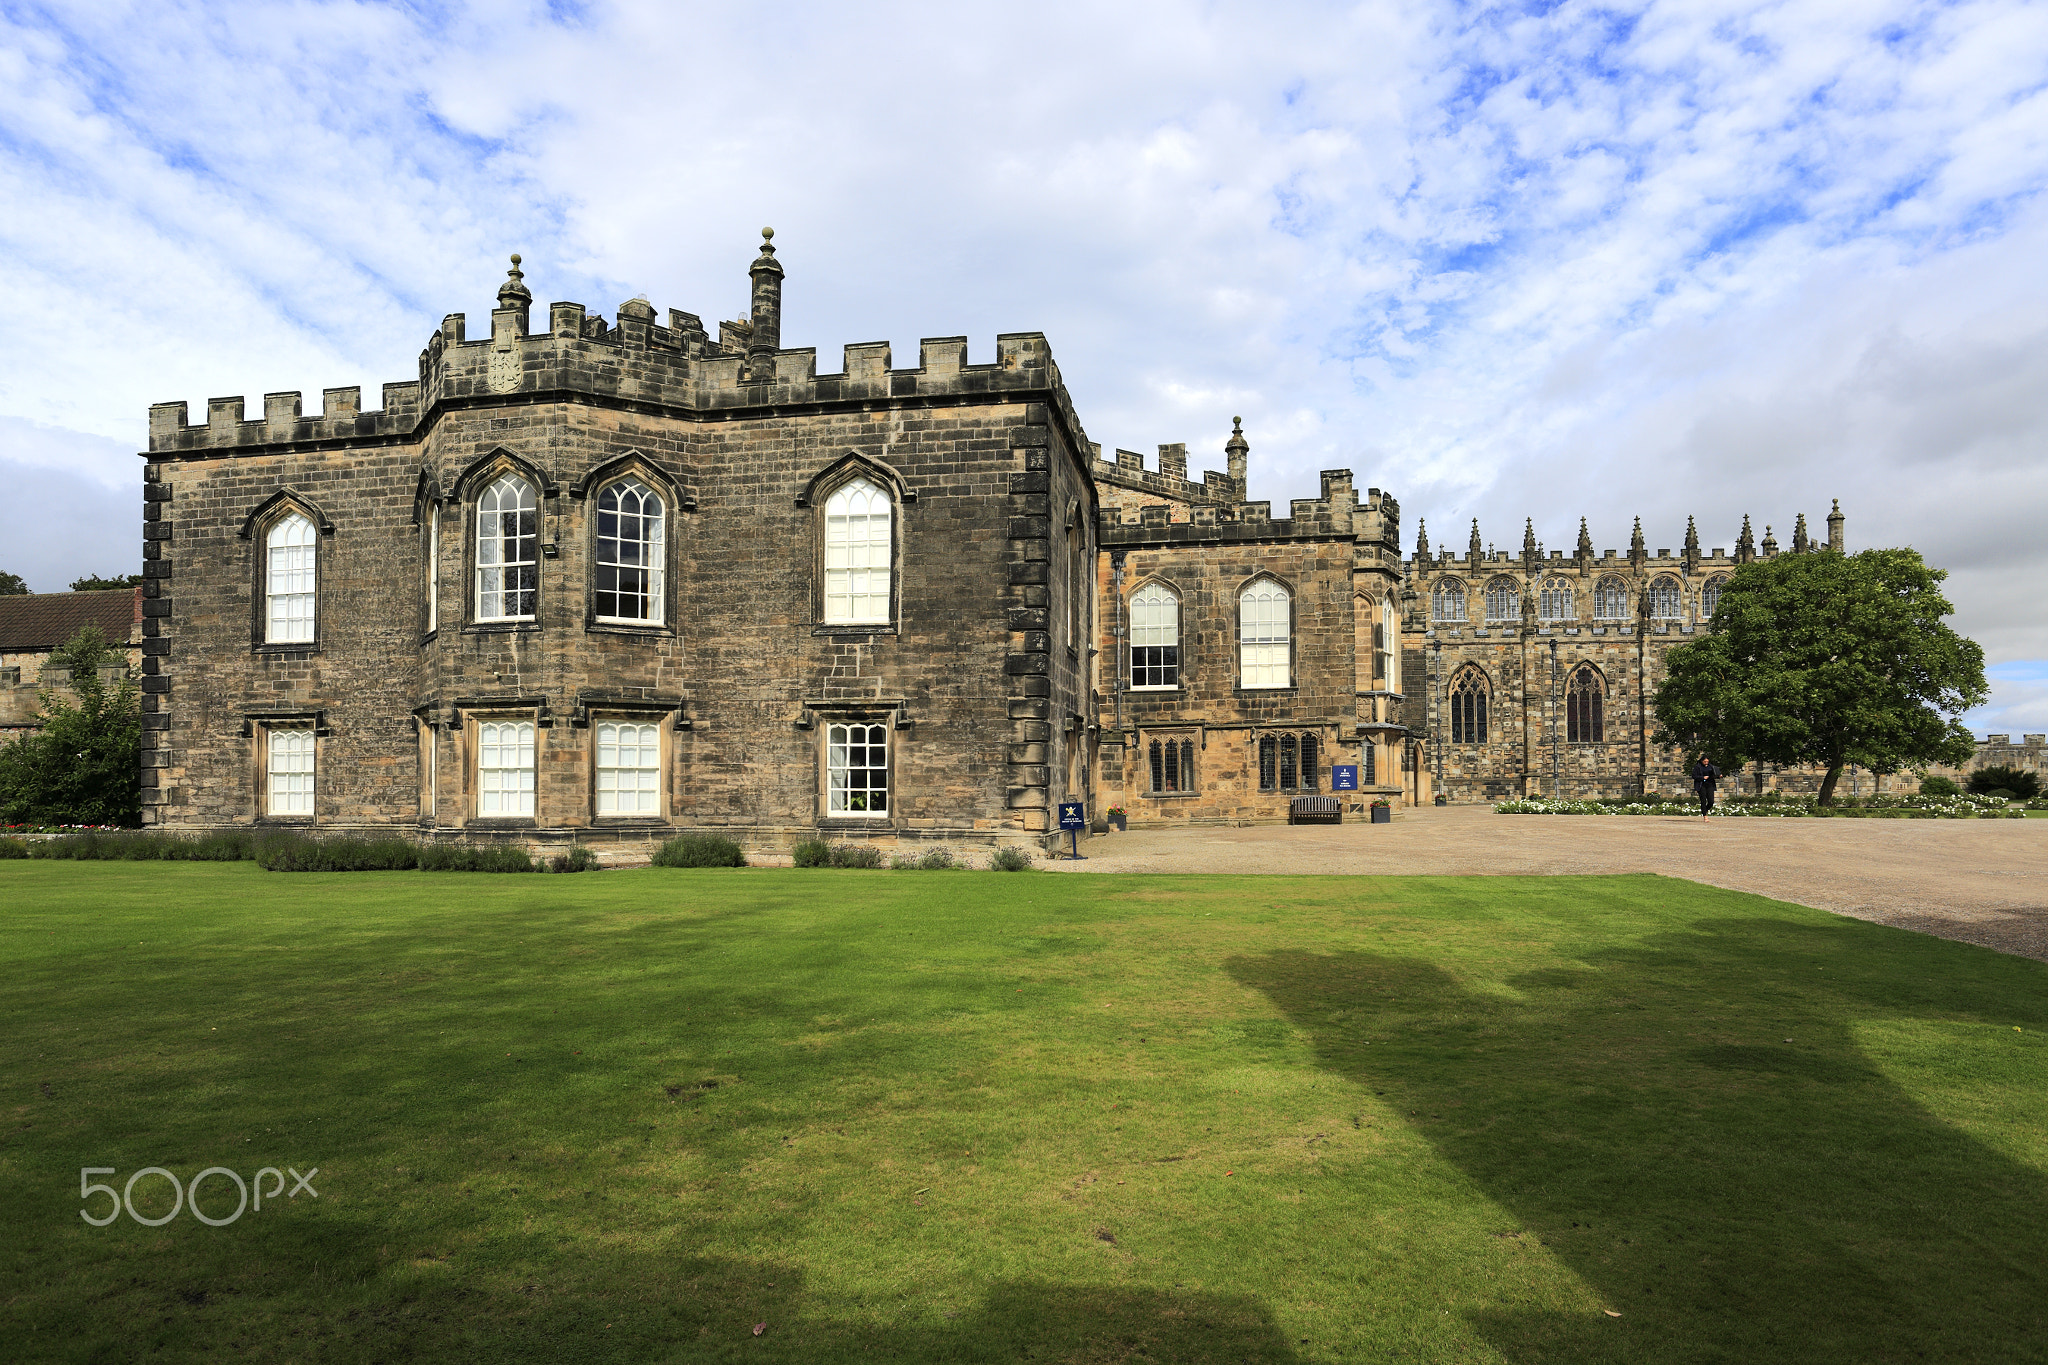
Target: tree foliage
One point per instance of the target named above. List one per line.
(2021, 782)
(11, 585)
(94, 583)
(1826, 659)
(83, 767)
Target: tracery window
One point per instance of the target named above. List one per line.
(1503, 600)
(1710, 596)
(1468, 707)
(289, 770)
(1585, 694)
(628, 768)
(1263, 629)
(289, 581)
(1610, 600)
(856, 770)
(1173, 765)
(858, 549)
(504, 769)
(1666, 599)
(1155, 638)
(630, 551)
(1447, 601)
(507, 551)
(1554, 603)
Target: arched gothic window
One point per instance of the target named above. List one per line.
(1173, 765)
(1585, 720)
(858, 550)
(1468, 707)
(1555, 601)
(1667, 599)
(1389, 647)
(630, 549)
(1155, 638)
(1710, 596)
(1269, 763)
(507, 551)
(1263, 631)
(1503, 600)
(289, 581)
(1610, 600)
(1447, 601)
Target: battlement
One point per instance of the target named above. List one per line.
(1337, 515)
(636, 360)
(1169, 479)
(1536, 560)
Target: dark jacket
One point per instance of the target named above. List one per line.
(1704, 774)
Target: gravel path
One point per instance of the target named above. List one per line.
(1980, 881)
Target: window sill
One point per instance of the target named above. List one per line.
(430, 637)
(300, 649)
(1173, 691)
(643, 630)
(853, 629)
(1265, 691)
(1171, 796)
(521, 627)
(502, 822)
(628, 821)
(857, 824)
(285, 821)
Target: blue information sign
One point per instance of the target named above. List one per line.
(1071, 816)
(1344, 777)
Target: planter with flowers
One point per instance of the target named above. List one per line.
(1382, 812)
(1119, 819)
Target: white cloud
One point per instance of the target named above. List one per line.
(1660, 259)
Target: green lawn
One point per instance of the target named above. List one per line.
(965, 1116)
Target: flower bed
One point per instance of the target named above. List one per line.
(1789, 807)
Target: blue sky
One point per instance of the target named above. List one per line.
(1546, 261)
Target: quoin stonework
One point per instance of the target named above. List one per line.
(606, 580)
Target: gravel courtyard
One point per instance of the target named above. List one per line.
(1980, 881)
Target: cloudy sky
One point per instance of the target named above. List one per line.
(1549, 261)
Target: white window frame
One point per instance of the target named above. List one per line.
(505, 790)
(1150, 632)
(490, 532)
(651, 547)
(289, 771)
(628, 790)
(433, 570)
(1265, 636)
(291, 584)
(842, 740)
(1390, 626)
(859, 555)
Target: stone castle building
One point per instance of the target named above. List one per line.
(605, 581)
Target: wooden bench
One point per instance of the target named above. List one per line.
(1315, 810)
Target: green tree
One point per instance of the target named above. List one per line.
(12, 586)
(84, 766)
(94, 583)
(1826, 659)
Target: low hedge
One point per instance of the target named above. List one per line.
(700, 850)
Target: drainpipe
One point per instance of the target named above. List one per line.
(1116, 579)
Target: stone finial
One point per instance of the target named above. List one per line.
(766, 316)
(1530, 552)
(1770, 542)
(1800, 543)
(1835, 520)
(1692, 545)
(1477, 548)
(1421, 541)
(513, 293)
(1745, 544)
(1585, 550)
(1236, 454)
(1637, 553)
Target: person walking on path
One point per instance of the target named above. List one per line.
(1704, 775)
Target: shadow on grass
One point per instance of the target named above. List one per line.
(1692, 1128)
(704, 1310)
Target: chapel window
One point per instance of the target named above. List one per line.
(1386, 641)
(433, 571)
(507, 551)
(1173, 765)
(1155, 638)
(1503, 600)
(628, 768)
(630, 553)
(856, 770)
(505, 769)
(1710, 595)
(1447, 601)
(289, 581)
(1666, 599)
(858, 550)
(1468, 707)
(289, 771)
(1584, 706)
(1263, 634)
(1555, 601)
(1610, 600)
